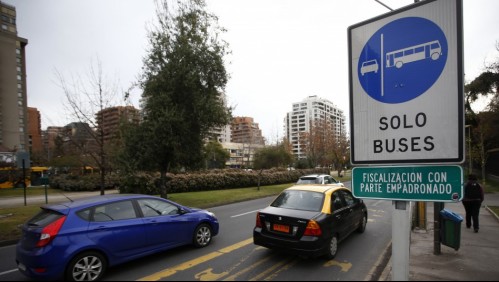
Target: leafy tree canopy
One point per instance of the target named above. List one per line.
(183, 81)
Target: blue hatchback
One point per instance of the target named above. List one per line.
(78, 240)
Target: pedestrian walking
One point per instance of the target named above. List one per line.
(472, 201)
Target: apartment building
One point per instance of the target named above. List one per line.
(299, 121)
(35, 131)
(13, 97)
(50, 143)
(241, 155)
(110, 119)
(246, 130)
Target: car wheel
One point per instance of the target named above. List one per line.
(202, 236)
(362, 224)
(89, 266)
(332, 247)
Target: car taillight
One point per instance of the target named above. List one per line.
(50, 231)
(258, 221)
(313, 229)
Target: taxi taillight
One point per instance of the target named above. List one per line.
(313, 229)
(258, 221)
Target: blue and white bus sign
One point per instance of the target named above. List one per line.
(406, 86)
(393, 60)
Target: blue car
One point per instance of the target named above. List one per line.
(78, 240)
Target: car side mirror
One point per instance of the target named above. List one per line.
(181, 211)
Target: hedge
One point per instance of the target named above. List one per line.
(148, 183)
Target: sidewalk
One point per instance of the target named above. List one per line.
(476, 260)
(62, 196)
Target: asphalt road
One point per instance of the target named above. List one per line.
(233, 256)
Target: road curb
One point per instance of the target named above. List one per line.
(377, 273)
(8, 243)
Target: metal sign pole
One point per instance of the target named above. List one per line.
(401, 234)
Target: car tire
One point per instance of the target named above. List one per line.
(362, 224)
(88, 266)
(332, 247)
(202, 236)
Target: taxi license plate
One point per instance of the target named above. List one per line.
(281, 228)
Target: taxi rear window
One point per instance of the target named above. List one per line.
(299, 200)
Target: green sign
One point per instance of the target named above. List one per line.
(409, 183)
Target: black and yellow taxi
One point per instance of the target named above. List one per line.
(310, 220)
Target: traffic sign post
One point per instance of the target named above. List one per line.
(407, 107)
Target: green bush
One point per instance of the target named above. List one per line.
(149, 183)
(90, 182)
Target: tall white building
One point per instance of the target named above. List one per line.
(304, 113)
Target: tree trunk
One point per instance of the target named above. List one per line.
(259, 177)
(102, 180)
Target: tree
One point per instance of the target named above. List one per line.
(321, 142)
(84, 99)
(484, 135)
(339, 156)
(215, 155)
(183, 81)
(325, 146)
(272, 156)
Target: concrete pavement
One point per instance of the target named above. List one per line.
(476, 260)
(62, 196)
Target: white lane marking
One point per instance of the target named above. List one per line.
(238, 215)
(7, 272)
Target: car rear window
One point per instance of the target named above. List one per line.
(309, 180)
(299, 200)
(44, 218)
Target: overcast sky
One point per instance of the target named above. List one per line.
(282, 50)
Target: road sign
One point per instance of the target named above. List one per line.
(409, 183)
(406, 86)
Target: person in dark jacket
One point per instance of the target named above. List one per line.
(472, 201)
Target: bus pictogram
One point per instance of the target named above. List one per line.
(399, 64)
(411, 54)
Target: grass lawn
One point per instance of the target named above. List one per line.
(491, 186)
(11, 218)
(495, 210)
(19, 192)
